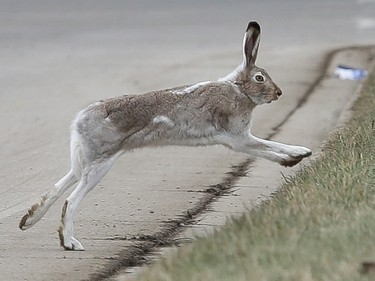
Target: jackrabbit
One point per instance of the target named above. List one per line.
(207, 113)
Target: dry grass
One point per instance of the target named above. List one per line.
(320, 226)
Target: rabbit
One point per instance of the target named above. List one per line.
(206, 113)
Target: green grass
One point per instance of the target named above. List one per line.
(319, 226)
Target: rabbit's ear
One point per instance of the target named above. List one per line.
(251, 43)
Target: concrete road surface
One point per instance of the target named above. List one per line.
(58, 56)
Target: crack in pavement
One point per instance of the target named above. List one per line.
(136, 255)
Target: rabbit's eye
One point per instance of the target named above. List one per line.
(259, 78)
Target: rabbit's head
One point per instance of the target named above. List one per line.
(255, 81)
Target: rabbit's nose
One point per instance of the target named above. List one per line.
(279, 92)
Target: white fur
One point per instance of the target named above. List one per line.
(160, 119)
(232, 75)
(191, 88)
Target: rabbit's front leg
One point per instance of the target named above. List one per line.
(284, 154)
(278, 147)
